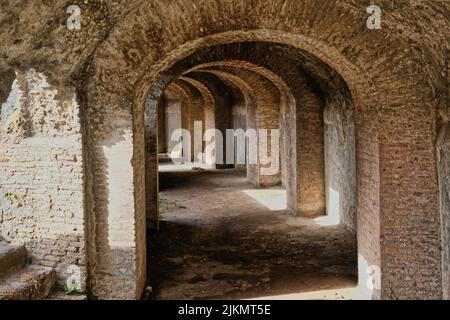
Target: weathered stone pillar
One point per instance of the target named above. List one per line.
(410, 227)
(238, 113)
(196, 120)
(262, 118)
(174, 122)
(151, 125)
(310, 152)
(162, 139)
(443, 157)
(41, 173)
(222, 113)
(196, 116)
(340, 160)
(118, 191)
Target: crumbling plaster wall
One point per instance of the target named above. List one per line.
(41, 175)
(162, 139)
(263, 114)
(443, 154)
(310, 147)
(238, 112)
(443, 157)
(222, 112)
(285, 68)
(123, 45)
(201, 98)
(340, 160)
(197, 116)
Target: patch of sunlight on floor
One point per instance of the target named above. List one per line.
(326, 221)
(171, 167)
(272, 199)
(333, 217)
(351, 293)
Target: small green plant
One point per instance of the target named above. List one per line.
(171, 203)
(179, 205)
(165, 205)
(68, 105)
(71, 291)
(162, 214)
(12, 197)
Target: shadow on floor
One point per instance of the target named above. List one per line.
(216, 242)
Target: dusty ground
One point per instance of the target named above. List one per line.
(216, 241)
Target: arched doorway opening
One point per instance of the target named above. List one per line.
(269, 102)
(344, 90)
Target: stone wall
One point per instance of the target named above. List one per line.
(156, 130)
(162, 139)
(340, 161)
(174, 122)
(443, 157)
(238, 113)
(197, 104)
(443, 154)
(124, 48)
(41, 176)
(222, 112)
(310, 149)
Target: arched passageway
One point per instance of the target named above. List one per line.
(362, 118)
(289, 91)
(333, 81)
(247, 95)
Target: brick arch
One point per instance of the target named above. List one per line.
(207, 96)
(126, 66)
(305, 162)
(151, 150)
(308, 109)
(199, 102)
(198, 99)
(256, 83)
(192, 87)
(443, 154)
(137, 123)
(246, 75)
(250, 77)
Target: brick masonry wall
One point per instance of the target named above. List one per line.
(443, 154)
(391, 73)
(238, 122)
(340, 163)
(222, 108)
(310, 150)
(162, 143)
(264, 114)
(155, 121)
(41, 168)
(443, 157)
(196, 102)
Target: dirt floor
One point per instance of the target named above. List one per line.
(221, 238)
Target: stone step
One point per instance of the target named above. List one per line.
(12, 258)
(31, 283)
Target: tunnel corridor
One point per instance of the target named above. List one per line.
(250, 175)
(220, 237)
(226, 148)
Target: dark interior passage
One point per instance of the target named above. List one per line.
(358, 130)
(220, 237)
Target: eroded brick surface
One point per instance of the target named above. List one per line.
(396, 79)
